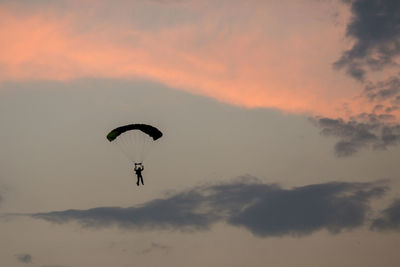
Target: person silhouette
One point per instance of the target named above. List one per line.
(138, 170)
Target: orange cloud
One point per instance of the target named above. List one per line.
(254, 59)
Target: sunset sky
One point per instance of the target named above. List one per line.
(281, 124)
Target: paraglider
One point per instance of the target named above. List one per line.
(134, 140)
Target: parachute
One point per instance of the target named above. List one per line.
(134, 140)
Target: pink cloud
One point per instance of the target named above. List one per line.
(273, 56)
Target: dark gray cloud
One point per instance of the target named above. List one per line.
(263, 209)
(2, 191)
(389, 219)
(384, 90)
(375, 27)
(182, 211)
(377, 129)
(155, 247)
(24, 257)
(356, 134)
(303, 210)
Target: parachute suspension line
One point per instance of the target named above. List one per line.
(119, 142)
(134, 140)
(131, 144)
(142, 142)
(127, 144)
(142, 152)
(122, 144)
(139, 141)
(135, 144)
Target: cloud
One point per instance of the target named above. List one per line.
(303, 210)
(375, 28)
(254, 58)
(24, 257)
(155, 247)
(377, 129)
(383, 90)
(205, 50)
(181, 211)
(263, 209)
(356, 135)
(3, 190)
(389, 219)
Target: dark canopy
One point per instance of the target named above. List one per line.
(147, 129)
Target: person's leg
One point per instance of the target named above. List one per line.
(141, 178)
(137, 183)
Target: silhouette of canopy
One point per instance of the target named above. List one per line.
(151, 131)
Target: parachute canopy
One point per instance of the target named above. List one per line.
(153, 132)
(134, 140)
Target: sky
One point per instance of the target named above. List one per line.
(280, 121)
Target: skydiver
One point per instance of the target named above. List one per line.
(138, 169)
